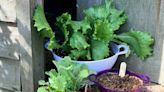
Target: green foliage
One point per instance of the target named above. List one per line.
(139, 42)
(99, 49)
(62, 23)
(69, 77)
(103, 31)
(78, 41)
(75, 54)
(41, 23)
(88, 39)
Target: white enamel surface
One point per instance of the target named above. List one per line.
(100, 65)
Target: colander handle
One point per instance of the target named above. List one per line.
(117, 49)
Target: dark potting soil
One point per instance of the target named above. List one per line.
(113, 81)
(62, 53)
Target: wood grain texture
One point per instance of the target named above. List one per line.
(8, 10)
(21, 48)
(38, 50)
(9, 75)
(9, 46)
(161, 41)
(32, 57)
(24, 28)
(143, 15)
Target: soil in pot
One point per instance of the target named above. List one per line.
(114, 82)
(60, 52)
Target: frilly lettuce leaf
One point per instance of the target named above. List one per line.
(62, 22)
(83, 25)
(53, 44)
(116, 18)
(42, 89)
(78, 41)
(98, 12)
(76, 54)
(140, 42)
(83, 74)
(64, 18)
(99, 49)
(104, 12)
(41, 23)
(76, 25)
(103, 31)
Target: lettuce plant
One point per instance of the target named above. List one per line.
(69, 77)
(88, 39)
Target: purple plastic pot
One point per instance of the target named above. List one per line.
(145, 79)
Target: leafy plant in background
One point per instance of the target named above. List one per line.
(89, 38)
(69, 77)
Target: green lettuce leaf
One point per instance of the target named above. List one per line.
(76, 54)
(99, 12)
(78, 41)
(41, 23)
(64, 18)
(53, 44)
(42, 89)
(83, 73)
(103, 31)
(140, 42)
(66, 79)
(83, 25)
(117, 18)
(62, 23)
(96, 12)
(76, 25)
(99, 50)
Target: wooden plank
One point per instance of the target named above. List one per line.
(144, 15)
(24, 28)
(38, 51)
(9, 75)
(9, 46)
(4, 90)
(7, 10)
(32, 58)
(161, 41)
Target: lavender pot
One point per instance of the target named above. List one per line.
(100, 65)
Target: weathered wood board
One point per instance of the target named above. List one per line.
(9, 45)
(160, 40)
(8, 10)
(31, 46)
(9, 75)
(21, 48)
(143, 15)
